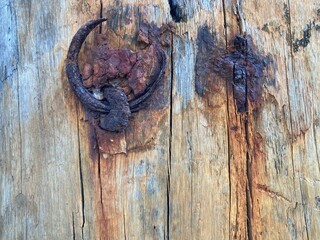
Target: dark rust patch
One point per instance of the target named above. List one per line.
(204, 61)
(305, 40)
(180, 10)
(239, 65)
(317, 201)
(109, 143)
(286, 13)
(266, 28)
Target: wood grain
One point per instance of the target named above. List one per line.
(189, 166)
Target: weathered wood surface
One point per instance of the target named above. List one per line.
(189, 166)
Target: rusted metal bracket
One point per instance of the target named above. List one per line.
(118, 81)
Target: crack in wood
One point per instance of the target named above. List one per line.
(271, 193)
(124, 225)
(80, 175)
(170, 138)
(73, 228)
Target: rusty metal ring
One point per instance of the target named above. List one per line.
(115, 111)
(76, 82)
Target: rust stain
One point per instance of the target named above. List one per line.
(107, 214)
(109, 143)
(258, 154)
(108, 64)
(143, 72)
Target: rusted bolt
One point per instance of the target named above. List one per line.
(98, 87)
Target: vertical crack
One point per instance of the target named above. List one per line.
(98, 157)
(237, 220)
(248, 172)
(304, 207)
(316, 146)
(240, 77)
(168, 206)
(170, 138)
(249, 211)
(288, 17)
(99, 177)
(82, 191)
(190, 156)
(80, 174)
(287, 80)
(20, 133)
(100, 15)
(291, 121)
(228, 119)
(240, 93)
(73, 229)
(249, 183)
(288, 92)
(124, 224)
(289, 26)
(229, 156)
